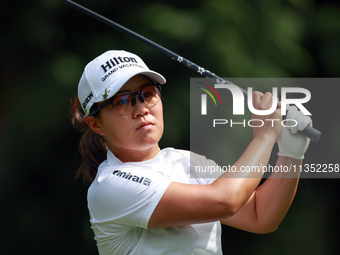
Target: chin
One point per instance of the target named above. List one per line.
(150, 142)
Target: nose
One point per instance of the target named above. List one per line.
(140, 108)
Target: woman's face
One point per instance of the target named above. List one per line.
(133, 136)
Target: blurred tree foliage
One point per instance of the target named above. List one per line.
(44, 46)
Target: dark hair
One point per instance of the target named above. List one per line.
(92, 146)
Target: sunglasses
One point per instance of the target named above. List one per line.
(123, 102)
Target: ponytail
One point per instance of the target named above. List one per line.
(92, 146)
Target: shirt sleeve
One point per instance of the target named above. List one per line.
(127, 197)
(204, 169)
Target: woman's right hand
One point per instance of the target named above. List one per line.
(272, 123)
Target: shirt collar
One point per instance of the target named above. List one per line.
(113, 160)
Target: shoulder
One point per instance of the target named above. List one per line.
(125, 190)
(124, 177)
(196, 165)
(192, 157)
(170, 152)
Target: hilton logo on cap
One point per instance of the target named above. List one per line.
(116, 61)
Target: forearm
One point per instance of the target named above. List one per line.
(239, 185)
(274, 197)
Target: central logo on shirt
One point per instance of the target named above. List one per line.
(135, 178)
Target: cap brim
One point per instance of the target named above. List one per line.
(118, 84)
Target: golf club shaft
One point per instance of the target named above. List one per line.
(310, 132)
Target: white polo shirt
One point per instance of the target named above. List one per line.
(123, 197)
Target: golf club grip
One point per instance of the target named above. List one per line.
(310, 132)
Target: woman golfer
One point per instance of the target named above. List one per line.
(142, 199)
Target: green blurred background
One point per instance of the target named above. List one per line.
(46, 43)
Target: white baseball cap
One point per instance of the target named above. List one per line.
(105, 75)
